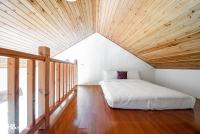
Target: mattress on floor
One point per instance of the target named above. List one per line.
(139, 94)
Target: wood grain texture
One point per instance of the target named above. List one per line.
(26, 24)
(163, 33)
(89, 113)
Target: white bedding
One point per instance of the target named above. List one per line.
(139, 94)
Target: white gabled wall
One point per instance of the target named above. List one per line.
(96, 54)
(187, 81)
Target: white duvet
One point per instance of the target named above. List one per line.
(139, 94)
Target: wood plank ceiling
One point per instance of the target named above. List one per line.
(164, 33)
(27, 24)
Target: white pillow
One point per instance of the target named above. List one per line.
(108, 75)
(133, 75)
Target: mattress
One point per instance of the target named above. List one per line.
(139, 94)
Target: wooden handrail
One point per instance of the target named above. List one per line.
(63, 79)
(60, 61)
(17, 54)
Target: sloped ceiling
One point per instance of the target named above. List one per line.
(27, 24)
(164, 33)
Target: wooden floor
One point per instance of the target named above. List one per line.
(88, 113)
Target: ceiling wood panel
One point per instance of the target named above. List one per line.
(163, 33)
(27, 24)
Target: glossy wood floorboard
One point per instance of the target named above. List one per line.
(88, 113)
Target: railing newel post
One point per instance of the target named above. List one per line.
(44, 70)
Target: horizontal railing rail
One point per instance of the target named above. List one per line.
(17, 54)
(60, 61)
(57, 79)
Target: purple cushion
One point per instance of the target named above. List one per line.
(121, 74)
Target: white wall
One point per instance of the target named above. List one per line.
(187, 81)
(96, 53)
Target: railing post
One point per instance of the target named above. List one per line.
(52, 84)
(30, 93)
(67, 73)
(65, 79)
(57, 82)
(43, 83)
(76, 73)
(13, 95)
(61, 82)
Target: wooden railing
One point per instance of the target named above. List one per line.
(56, 81)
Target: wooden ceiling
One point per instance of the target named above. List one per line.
(163, 33)
(27, 24)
